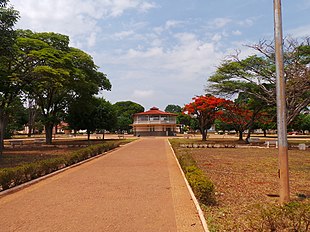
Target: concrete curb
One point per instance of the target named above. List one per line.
(199, 210)
(29, 183)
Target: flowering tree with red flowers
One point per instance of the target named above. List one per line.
(237, 115)
(206, 109)
(241, 116)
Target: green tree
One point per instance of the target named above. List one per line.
(260, 113)
(238, 115)
(33, 116)
(105, 116)
(221, 125)
(91, 114)
(301, 123)
(8, 18)
(17, 118)
(173, 109)
(9, 84)
(184, 121)
(125, 111)
(59, 74)
(256, 75)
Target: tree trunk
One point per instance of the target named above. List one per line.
(248, 134)
(240, 135)
(265, 133)
(103, 135)
(32, 118)
(88, 135)
(49, 133)
(204, 134)
(29, 130)
(3, 123)
(2, 129)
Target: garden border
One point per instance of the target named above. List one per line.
(198, 208)
(34, 181)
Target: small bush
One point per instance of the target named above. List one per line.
(186, 161)
(294, 216)
(6, 177)
(202, 187)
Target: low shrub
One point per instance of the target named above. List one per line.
(202, 187)
(6, 178)
(10, 177)
(186, 160)
(294, 216)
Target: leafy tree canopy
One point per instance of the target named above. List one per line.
(256, 75)
(56, 73)
(9, 87)
(173, 109)
(125, 111)
(91, 114)
(205, 109)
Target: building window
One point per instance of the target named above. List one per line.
(143, 118)
(154, 118)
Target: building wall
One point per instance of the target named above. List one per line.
(153, 130)
(154, 124)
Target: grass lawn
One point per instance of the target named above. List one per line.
(245, 178)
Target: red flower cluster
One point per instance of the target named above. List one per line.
(202, 104)
(236, 114)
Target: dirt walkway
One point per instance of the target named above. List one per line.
(136, 188)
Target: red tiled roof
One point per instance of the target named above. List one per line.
(155, 111)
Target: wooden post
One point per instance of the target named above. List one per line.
(281, 106)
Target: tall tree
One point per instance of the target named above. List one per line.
(205, 109)
(105, 116)
(17, 118)
(301, 123)
(238, 116)
(91, 114)
(173, 109)
(9, 84)
(59, 74)
(255, 75)
(125, 111)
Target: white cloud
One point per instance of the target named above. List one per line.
(123, 34)
(247, 22)
(220, 22)
(91, 40)
(217, 37)
(76, 18)
(140, 94)
(146, 6)
(237, 32)
(190, 59)
(172, 23)
(302, 31)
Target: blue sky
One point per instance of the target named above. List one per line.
(160, 52)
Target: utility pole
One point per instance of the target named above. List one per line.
(281, 106)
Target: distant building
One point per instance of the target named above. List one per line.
(154, 123)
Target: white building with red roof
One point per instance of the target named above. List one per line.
(154, 122)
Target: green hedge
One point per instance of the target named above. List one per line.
(10, 177)
(201, 185)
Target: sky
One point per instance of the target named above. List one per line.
(161, 52)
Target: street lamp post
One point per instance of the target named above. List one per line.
(281, 106)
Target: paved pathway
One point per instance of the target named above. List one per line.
(135, 188)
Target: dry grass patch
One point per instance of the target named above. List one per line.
(246, 179)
